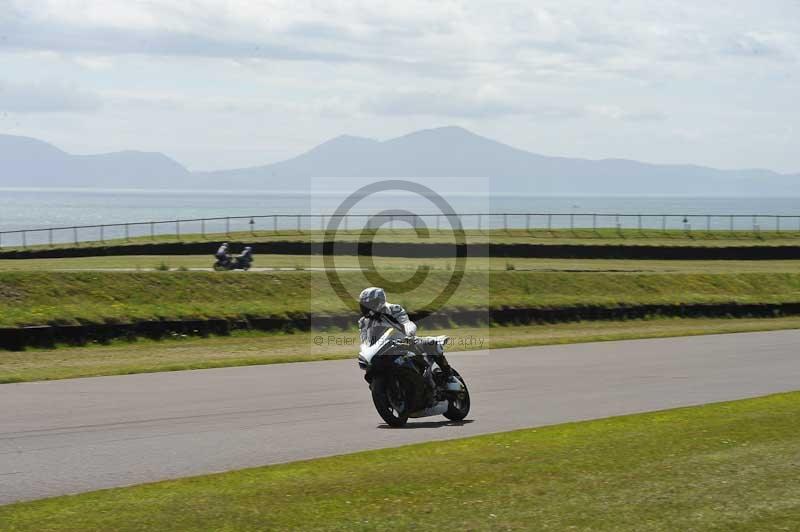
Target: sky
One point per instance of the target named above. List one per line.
(232, 83)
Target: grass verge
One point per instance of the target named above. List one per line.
(727, 466)
(37, 298)
(242, 349)
(301, 262)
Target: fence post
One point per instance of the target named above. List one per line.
(438, 222)
(594, 222)
(346, 220)
(274, 223)
(778, 224)
(298, 223)
(505, 222)
(203, 228)
(24, 239)
(550, 222)
(50, 236)
(127, 233)
(708, 223)
(639, 222)
(103, 234)
(664, 223)
(178, 229)
(152, 231)
(731, 224)
(527, 223)
(619, 225)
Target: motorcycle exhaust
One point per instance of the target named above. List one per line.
(436, 410)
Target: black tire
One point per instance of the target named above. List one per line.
(389, 397)
(458, 407)
(219, 267)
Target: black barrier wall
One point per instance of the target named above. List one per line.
(47, 336)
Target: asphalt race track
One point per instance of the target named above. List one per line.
(85, 434)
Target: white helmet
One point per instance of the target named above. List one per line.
(372, 300)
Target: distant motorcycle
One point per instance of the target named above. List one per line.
(242, 262)
(405, 384)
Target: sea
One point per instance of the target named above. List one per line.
(37, 209)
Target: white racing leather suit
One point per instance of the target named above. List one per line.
(384, 316)
(373, 327)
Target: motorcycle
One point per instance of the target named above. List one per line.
(233, 263)
(405, 384)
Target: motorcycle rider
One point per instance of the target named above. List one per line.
(222, 254)
(377, 315)
(246, 258)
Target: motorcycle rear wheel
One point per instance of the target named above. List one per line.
(389, 398)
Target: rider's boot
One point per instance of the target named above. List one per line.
(435, 353)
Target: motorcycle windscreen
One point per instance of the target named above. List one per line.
(367, 351)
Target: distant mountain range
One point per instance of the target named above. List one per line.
(442, 152)
(27, 162)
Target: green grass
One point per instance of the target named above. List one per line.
(30, 298)
(728, 467)
(252, 348)
(152, 262)
(602, 236)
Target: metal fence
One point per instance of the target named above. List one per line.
(586, 225)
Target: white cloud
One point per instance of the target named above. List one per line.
(578, 77)
(444, 38)
(775, 44)
(93, 62)
(632, 115)
(481, 104)
(45, 98)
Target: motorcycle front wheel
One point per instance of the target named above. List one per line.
(389, 397)
(458, 406)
